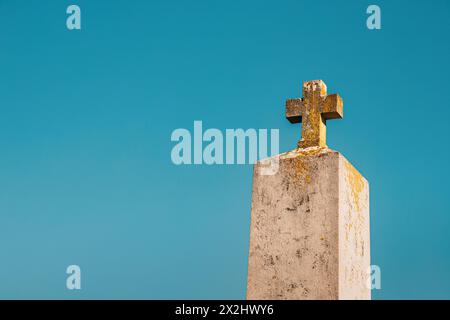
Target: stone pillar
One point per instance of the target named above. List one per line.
(309, 236)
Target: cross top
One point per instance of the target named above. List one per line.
(313, 110)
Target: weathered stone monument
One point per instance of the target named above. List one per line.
(310, 235)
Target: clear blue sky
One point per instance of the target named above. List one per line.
(86, 118)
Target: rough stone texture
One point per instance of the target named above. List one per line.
(313, 111)
(309, 236)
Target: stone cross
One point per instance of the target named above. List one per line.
(313, 110)
(310, 221)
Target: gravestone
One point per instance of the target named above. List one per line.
(310, 233)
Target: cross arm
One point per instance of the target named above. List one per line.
(294, 110)
(333, 107)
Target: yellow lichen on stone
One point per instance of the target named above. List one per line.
(312, 151)
(356, 183)
(312, 111)
(308, 179)
(303, 169)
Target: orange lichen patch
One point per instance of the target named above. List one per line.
(356, 183)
